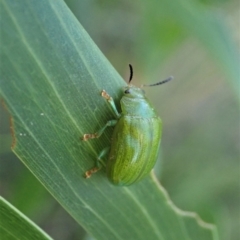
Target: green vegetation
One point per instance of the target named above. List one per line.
(51, 77)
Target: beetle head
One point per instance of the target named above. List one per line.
(134, 92)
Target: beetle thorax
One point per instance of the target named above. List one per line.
(136, 106)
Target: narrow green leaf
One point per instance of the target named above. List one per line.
(15, 225)
(51, 78)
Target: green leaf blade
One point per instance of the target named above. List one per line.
(51, 79)
(15, 225)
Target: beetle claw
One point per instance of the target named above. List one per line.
(105, 95)
(89, 136)
(90, 172)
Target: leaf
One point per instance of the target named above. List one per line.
(15, 225)
(51, 79)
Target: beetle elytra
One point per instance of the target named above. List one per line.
(135, 140)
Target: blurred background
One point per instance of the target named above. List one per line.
(196, 41)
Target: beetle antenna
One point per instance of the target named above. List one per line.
(158, 83)
(131, 73)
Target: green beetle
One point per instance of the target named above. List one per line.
(136, 137)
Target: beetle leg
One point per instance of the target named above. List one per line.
(87, 136)
(99, 163)
(111, 102)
